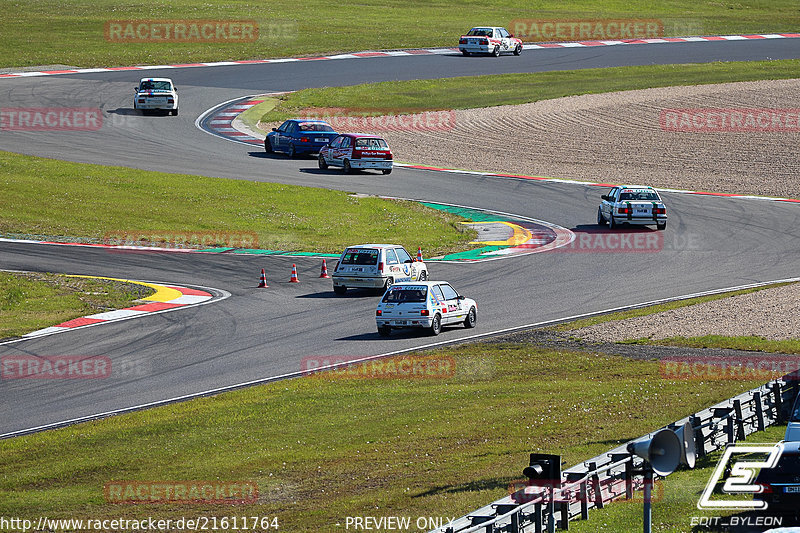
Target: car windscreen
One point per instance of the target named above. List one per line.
(406, 294)
(480, 32)
(360, 256)
(639, 196)
(372, 144)
(315, 126)
(156, 86)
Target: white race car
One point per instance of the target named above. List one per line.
(632, 204)
(156, 94)
(489, 40)
(428, 304)
(376, 266)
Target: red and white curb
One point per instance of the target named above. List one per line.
(405, 53)
(218, 120)
(166, 298)
(592, 184)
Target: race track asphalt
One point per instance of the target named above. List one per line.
(710, 242)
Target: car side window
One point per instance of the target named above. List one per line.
(503, 32)
(438, 293)
(284, 126)
(336, 142)
(291, 128)
(402, 255)
(449, 292)
(391, 258)
(345, 142)
(612, 194)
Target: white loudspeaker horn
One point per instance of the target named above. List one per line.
(662, 451)
(685, 434)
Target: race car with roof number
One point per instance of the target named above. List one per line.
(156, 94)
(376, 266)
(489, 40)
(429, 305)
(634, 205)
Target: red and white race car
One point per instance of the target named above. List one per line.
(353, 151)
(489, 40)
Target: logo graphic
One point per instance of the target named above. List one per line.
(741, 478)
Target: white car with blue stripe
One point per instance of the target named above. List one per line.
(376, 266)
(428, 305)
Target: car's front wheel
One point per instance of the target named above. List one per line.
(268, 146)
(611, 223)
(174, 112)
(436, 324)
(496, 51)
(346, 167)
(471, 319)
(601, 220)
(322, 163)
(291, 152)
(423, 276)
(518, 50)
(384, 331)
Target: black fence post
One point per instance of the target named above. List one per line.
(598, 492)
(737, 409)
(759, 411)
(776, 391)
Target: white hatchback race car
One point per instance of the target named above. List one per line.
(632, 204)
(489, 40)
(156, 94)
(376, 266)
(429, 305)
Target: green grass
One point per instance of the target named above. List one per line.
(653, 309)
(507, 89)
(33, 301)
(323, 448)
(180, 208)
(757, 344)
(72, 32)
(675, 502)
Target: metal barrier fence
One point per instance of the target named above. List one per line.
(617, 473)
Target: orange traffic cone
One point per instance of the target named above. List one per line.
(294, 275)
(324, 272)
(419, 254)
(262, 284)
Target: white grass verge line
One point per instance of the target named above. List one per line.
(217, 295)
(409, 52)
(261, 381)
(542, 179)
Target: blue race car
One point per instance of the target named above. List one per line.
(298, 136)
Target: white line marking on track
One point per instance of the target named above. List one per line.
(289, 375)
